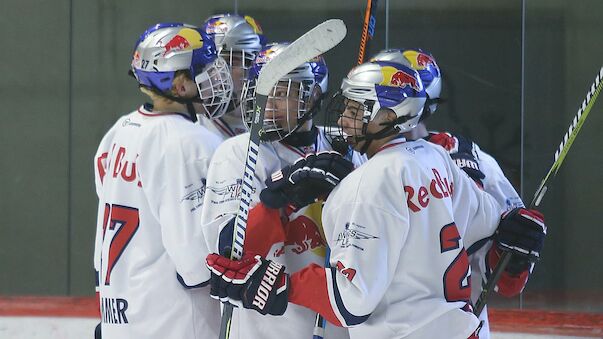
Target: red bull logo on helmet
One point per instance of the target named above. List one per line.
(264, 56)
(216, 26)
(419, 60)
(399, 78)
(186, 39)
(136, 60)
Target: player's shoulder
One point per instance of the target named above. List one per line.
(234, 147)
(406, 153)
(110, 134)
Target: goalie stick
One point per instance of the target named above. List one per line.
(368, 31)
(560, 154)
(313, 43)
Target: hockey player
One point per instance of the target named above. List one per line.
(480, 166)
(238, 40)
(150, 171)
(397, 227)
(291, 237)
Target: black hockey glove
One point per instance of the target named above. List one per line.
(522, 232)
(308, 179)
(252, 282)
(462, 151)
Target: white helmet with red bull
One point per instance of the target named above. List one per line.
(294, 100)
(384, 84)
(238, 40)
(424, 63)
(236, 33)
(166, 48)
(375, 86)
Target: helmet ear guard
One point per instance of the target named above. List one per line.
(165, 49)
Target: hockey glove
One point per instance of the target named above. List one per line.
(462, 151)
(252, 282)
(522, 232)
(308, 179)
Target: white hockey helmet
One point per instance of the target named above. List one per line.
(166, 48)
(303, 80)
(375, 86)
(238, 40)
(424, 63)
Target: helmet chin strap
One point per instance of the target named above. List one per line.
(188, 102)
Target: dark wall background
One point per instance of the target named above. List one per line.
(64, 66)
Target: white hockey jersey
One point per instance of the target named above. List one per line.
(150, 171)
(401, 266)
(303, 246)
(227, 126)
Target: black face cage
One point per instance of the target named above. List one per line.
(277, 127)
(357, 118)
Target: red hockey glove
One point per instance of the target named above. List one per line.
(252, 282)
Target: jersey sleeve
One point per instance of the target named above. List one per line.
(174, 183)
(477, 210)
(363, 261)
(224, 184)
(496, 183)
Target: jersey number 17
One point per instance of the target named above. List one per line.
(126, 220)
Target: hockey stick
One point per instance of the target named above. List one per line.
(368, 31)
(560, 154)
(312, 44)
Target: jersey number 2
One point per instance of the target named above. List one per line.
(457, 282)
(126, 220)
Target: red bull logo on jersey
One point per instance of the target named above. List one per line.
(302, 234)
(399, 78)
(419, 60)
(254, 24)
(185, 40)
(116, 164)
(418, 198)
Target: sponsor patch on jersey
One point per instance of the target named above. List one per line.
(513, 202)
(226, 192)
(128, 122)
(196, 195)
(352, 233)
(412, 150)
